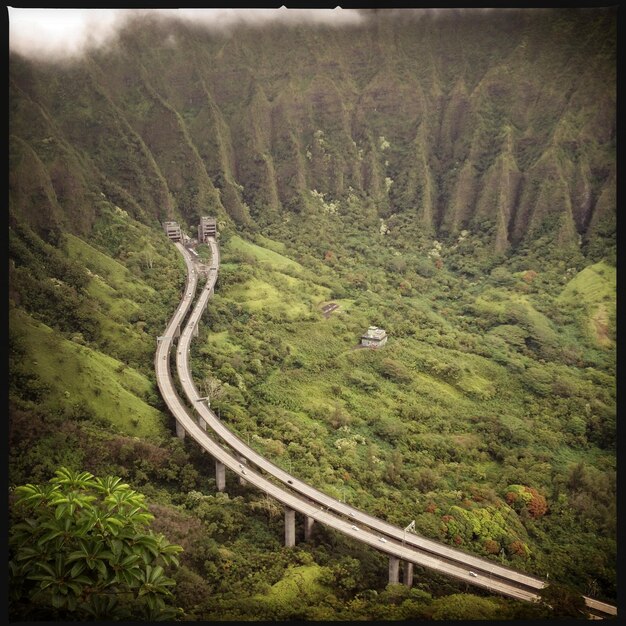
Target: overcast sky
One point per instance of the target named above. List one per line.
(67, 32)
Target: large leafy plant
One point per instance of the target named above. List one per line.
(81, 547)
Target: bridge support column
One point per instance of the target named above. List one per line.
(290, 528)
(180, 431)
(394, 569)
(177, 332)
(308, 527)
(202, 425)
(408, 574)
(220, 475)
(243, 461)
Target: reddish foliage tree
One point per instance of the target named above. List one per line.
(491, 546)
(511, 497)
(529, 276)
(517, 547)
(537, 506)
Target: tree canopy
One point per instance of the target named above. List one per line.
(81, 548)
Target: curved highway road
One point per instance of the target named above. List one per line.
(409, 547)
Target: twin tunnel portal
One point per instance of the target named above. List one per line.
(232, 453)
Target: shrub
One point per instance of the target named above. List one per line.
(394, 370)
(81, 548)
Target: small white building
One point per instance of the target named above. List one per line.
(374, 337)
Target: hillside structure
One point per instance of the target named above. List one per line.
(172, 230)
(207, 228)
(374, 337)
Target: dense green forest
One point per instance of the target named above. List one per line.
(457, 191)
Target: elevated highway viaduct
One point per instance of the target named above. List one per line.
(397, 543)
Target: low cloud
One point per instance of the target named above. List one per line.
(58, 33)
(66, 33)
(225, 18)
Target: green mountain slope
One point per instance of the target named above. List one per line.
(413, 114)
(457, 190)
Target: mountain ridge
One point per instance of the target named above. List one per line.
(179, 121)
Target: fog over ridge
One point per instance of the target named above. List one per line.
(68, 33)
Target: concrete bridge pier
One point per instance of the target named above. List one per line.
(408, 574)
(177, 332)
(202, 425)
(220, 475)
(195, 330)
(290, 528)
(394, 569)
(308, 527)
(180, 431)
(243, 461)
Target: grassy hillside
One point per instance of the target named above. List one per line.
(78, 380)
(593, 289)
(265, 255)
(83, 319)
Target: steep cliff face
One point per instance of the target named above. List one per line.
(504, 116)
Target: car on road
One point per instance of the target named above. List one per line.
(473, 574)
(354, 527)
(382, 539)
(353, 515)
(290, 482)
(243, 471)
